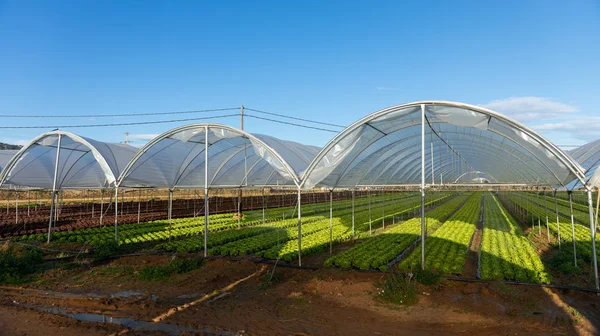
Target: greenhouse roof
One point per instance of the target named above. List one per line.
(588, 157)
(384, 149)
(464, 144)
(236, 159)
(5, 156)
(82, 163)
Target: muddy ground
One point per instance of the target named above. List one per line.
(235, 297)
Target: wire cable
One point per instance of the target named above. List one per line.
(295, 118)
(291, 124)
(117, 115)
(122, 124)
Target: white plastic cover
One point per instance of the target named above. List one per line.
(384, 148)
(175, 159)
(5, 156)
(588, 156)
(83, 163)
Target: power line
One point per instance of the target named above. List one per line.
(121, 124)
(295, 118)
(289, 123)
(117, 115)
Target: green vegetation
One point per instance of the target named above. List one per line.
(161, 273)
(563, 260)
(279, 239)
(377, 252)
(17, 264)
(505, 251)
(446, 248)
(398, 289)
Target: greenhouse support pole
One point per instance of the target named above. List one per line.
(239, 209)
(383, 211)
(116, 213)
(263, 204)
(16, 207)
(573, 228)
(557, 222)
(352, 213)
(369, 198)
(331, 222)
(299, 226)
(29, 202)
(101, 205)
(537, 197)
(546, 211)
(528, 206)
(432, 169)
(593, 231)
(139, 204)
(170, 211)
(394, 208)
(422, 187)
(596, 215)
(206, 213)
(52, 205)
(93, 199)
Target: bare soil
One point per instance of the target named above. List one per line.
(295, 302)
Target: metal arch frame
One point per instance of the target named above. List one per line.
(411, 174)
(517, 149)
(560, 155)
(203, 127)
(350, 166)
(279, 141)
(475, 172)
(498, 148)
(515, 152)
(594, 147)
(448, 167)
(526, 173)
(97, 155)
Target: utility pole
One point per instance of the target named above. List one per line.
(239, 208)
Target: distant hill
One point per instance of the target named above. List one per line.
(7, 146)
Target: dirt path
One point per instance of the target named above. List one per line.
(303, 302)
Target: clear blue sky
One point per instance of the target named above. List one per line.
(334, 61)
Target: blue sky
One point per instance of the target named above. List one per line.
(334, 61)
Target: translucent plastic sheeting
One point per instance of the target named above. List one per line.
(384, 148)
(5, 156)
(588, 156)
(83, 163)
(176, 159)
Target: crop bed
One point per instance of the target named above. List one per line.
(564, 260)
(279, 239)
(446, 249)
(377, 252)
(505, 252)
(33, 219)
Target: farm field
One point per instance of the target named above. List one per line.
(386, 237)
(505, 251)
(577, 233)
(377, 252)
(380, 232)
(446, 248)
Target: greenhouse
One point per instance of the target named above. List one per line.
(430, 184)
(5, 156)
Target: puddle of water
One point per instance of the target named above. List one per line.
(190, 296)
(123, 294)
(137, 325)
